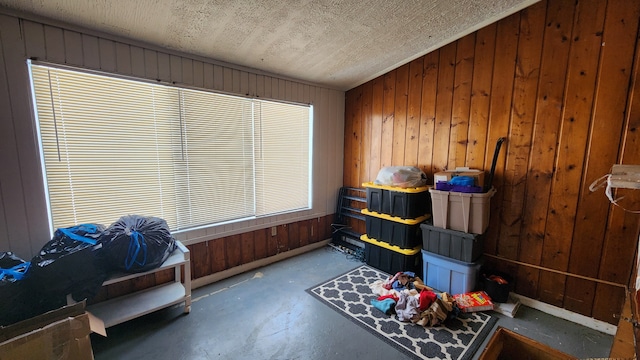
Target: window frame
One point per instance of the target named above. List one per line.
(179, 87)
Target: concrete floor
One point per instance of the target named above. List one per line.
(266, 314)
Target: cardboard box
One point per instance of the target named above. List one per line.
(58, 334)
(477, 175)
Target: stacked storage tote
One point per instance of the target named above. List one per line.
(453, 241)
(393, 216)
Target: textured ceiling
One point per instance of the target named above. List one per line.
(340, 44)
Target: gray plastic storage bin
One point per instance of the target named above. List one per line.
(452, 243)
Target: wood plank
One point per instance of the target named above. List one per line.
(119, 289)
(218, 77)
(236, 81)
(400, 115)
(15, 223)
(217, 255)
(349, 114)
(107, 54)
(444, 102)
(314, 230)
(157, 65)
(123, 58)
(293, 233)
(187, 71)
(247, 244)
(198, 74)
(137, 61)
(272, 243)
(388, 108)
(200, 259)
(605, 307)
(612, 114)
(143, 282)
(521, 127)
(377, 89)
(207, 73)
(550, 90)
(260, 85)
(233, 250)
(175, 66)
(306, 94)
(283, 238)
(623, 346)
(54, 39)
(547, 127)
(37, 232)
(282, 89)
(90, 51)
(428, 112)
(572, 140)
(480, 97)
(34, 40)
(565, 190)
(73, 48)
(165, 276)
(260, 240)
(355, 139)
(507, 34)
(267, 87)
(303, 232)
(275, 88)
(463, 77)
(227, 82)
(253, 85)
(579, 295)
(414, 102)
(365, 149)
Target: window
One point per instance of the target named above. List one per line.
(112, 146)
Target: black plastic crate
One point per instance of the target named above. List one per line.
(374, 199)
(452, 243)
(406, 203)
(404, 233)
(391, 259)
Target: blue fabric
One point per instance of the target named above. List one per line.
(386, 306)
(461, 181)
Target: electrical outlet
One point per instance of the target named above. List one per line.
(274, 230)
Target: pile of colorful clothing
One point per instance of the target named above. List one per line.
(405, 295)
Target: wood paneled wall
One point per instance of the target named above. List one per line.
(560, 81)
(24, 225)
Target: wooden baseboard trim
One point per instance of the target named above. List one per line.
(589, 322)
(209, 279)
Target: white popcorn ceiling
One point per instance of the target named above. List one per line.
(339, 44)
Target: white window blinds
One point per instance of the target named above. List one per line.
(113, 147)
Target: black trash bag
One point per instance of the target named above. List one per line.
(17, 300)
(12, 267)
(137, 243)
(71, 263)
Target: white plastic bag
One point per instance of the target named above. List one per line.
(401, 176)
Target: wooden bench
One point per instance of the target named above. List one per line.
(350, 201)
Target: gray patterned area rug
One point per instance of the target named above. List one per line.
(350, 295)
